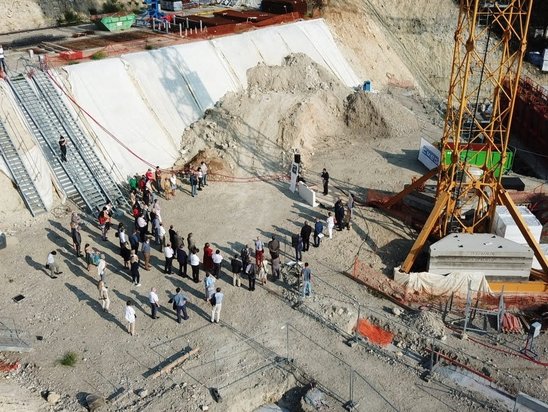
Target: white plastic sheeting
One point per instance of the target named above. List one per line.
(147, 99)
(442, 285)
(30, 153)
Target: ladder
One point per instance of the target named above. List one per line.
(104, 178)
(20, 173)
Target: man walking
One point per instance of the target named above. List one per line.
(182, 258)
(306, 231)
(218, 297)
(236, 267)
(325, 181)
(168, 253)
(130, 317)
(154, 303)
(52, 265)
(146, 253)
(306, 274)
(179, 304)
(318, 230)
(217, 259)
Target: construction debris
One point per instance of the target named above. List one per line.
(176, 362)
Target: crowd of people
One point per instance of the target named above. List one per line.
(148, 231)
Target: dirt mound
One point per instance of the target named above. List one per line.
(379, 116)
(428, 324)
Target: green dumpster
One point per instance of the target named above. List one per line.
(117, 22)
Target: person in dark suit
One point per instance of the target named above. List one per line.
(325, 180)
(306, 231)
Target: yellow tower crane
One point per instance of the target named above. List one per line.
(490, 43)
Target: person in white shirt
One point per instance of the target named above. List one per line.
(2, 60)
(330, 225)
(168, 253)
(200, 177)
(102, 268)
(218, 296)
(195, 265)
(156, 209)
(154, 303)
(103, 296)
(130, 317)
(203, 168)
(162, 234)
(52, 265)
(217, 259)
(173, 182)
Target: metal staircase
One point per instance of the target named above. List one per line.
(20, 173)
(52, 96)
(48, 118)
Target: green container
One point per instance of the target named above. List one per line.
(479, 159)
(116, 23)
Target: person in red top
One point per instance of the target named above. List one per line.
(149, 175)
(208, 258)
(141, 184)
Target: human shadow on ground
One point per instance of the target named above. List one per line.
(77, 270)
(94, 304)
(126, 298)
(37, 266)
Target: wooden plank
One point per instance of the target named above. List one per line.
(178, 361)
(519, 287)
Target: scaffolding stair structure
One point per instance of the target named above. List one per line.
(48, 118)
(20, 174)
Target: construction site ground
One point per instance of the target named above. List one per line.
(246, 355)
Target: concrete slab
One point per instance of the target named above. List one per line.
(495, 256)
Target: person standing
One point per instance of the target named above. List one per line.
(3, 60)
(276, 268)
(134, 240)
(298, 245)
(330, 224)
(102, 268)
(203, 168)
(154, 303)
(193, 184)
(142, 227)
(262, 272)
(339, 214)
(158, 177)
(87, 253)
(179, 304)
(217, 259)
(156, 229)
(250, 271)
(236, 267)
(63, 148)
(306, 274)
(209, 285)
(347, 218)
(208, 261)
(325, 181)
(259, 251)
(104, 222)
(76, 240)
(190, 243)
(173, 183)
(146, 249)
(168, 253)
(245, 255)
(195, 265)
(134, 269)
(130, 317)
(103, 296)
(172, 237)
(306, 231)
(200, 177)
(182, 258)
(52, 265)
(318, 230)
(274, 247)
(218, 297)
(126, 253)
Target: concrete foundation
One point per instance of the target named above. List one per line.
(496, 257)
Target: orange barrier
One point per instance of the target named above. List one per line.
(374, 334)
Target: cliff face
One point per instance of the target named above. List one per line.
(33, 14)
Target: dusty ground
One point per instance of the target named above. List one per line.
(238, 356)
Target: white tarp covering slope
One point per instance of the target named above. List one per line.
(147, 99)
(30, 153)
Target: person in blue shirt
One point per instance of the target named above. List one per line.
(306, 274)
(179, 304)
(318, 228)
